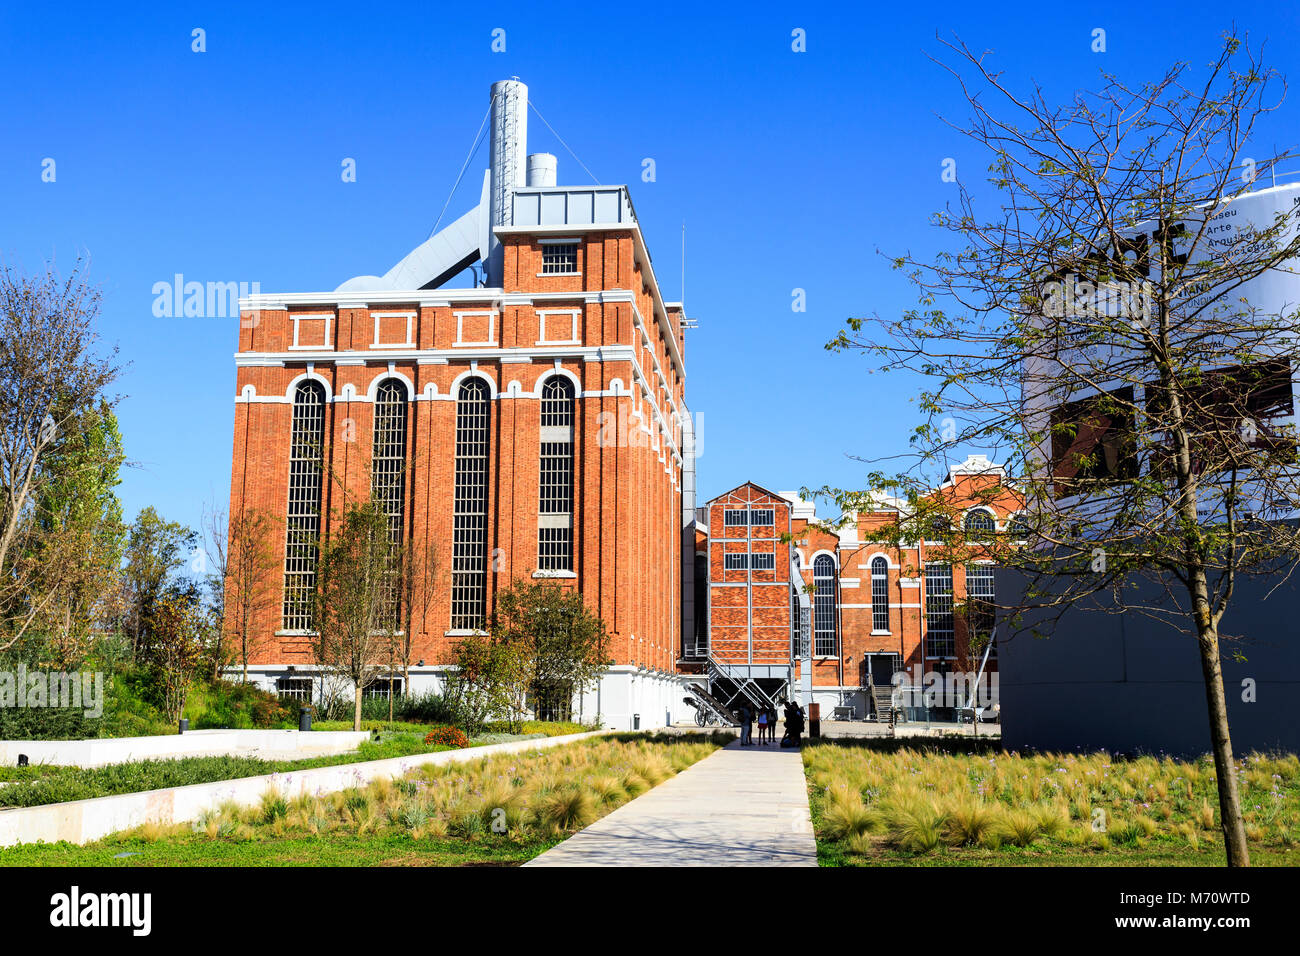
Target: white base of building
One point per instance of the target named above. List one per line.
(626, 698)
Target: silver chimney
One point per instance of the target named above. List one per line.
(509, 149)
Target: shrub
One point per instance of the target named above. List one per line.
(223, 704)
(447, 737)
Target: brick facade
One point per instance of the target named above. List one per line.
(606, 329)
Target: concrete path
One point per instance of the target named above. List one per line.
(740, 806)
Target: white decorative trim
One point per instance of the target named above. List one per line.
(315, 377)
(473, 372)
(573, 327)
(409, 343)
(298, 317)
(372, 390)
(555, 574)
(491, 340)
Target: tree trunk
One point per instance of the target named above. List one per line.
(1225, 767)
(356, 710)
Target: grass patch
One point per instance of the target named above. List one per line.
(964, 802)
(502, 809)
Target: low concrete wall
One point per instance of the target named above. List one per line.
(99, 752)
(82, 821)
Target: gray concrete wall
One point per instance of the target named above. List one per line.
(1124, 683)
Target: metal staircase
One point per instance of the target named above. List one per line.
(739, 682)
(708, 709)
(882, 699)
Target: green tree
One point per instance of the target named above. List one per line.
(179, 627)
(52, 384)
(79, 549)
(489, 679)
(155, 551)
(565, 645)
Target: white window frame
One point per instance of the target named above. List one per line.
(460, 327)
(410, 323)
(573, 325)
(574, 241)
(329, 339)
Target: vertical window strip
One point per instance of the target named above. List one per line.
(555, 484)
(824, 606)
(979, 599)
(880, 594)
(302, 524)
(939, 640)
(469, 509)
(388, 471)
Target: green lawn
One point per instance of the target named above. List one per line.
(963, 803)
(503, 809)
(36, 785)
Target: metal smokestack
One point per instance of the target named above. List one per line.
(509, 147)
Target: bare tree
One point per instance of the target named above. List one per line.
(1102, 344)
(50, 377)
(353, 601)
(421, 579)
(245, 573)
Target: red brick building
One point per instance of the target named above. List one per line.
(530, 427)
(870, 611)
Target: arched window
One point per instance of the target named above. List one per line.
(824, 606)
(555, 487)
(469, 507)
(979, 525)
(302, 524)
(879, 594)
(388, 466)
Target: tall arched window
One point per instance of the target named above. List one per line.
(388, 466)
(824, 606)
(879, 594)
(469, 507)
(555, 487)
(302, 523)
(979, 525)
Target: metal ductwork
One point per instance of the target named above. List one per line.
(470, 238)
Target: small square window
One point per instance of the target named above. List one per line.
(732, 518)
(736, 562)
(764, 562)
(762, 517)
(559, 257)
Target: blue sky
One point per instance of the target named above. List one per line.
(789, 169)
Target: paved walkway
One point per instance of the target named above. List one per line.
(740, 806)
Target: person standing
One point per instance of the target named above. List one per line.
(771, 723)
(746, 724)
(762, 725)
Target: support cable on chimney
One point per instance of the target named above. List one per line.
(478, 141)
(562, 142)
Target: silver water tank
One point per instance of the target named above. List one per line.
(541, 169)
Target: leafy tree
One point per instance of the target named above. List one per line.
(565, 645)
(352, 605)
(155, 551)
(179, 626)
(490, 679)
(52, 382)
(81, 538)
(1098, 265)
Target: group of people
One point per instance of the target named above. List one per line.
(765, 717)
